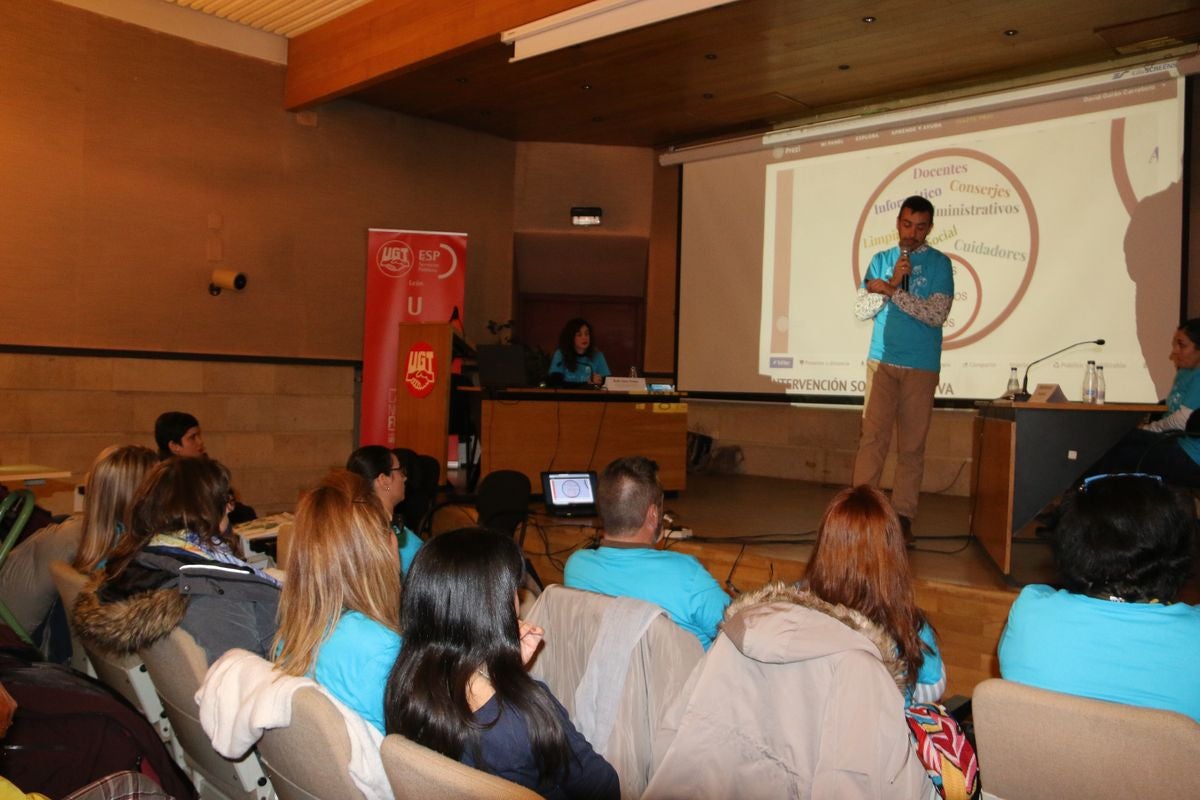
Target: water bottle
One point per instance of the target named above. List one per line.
(1014, 385)
(633, 372)
(1100, 384)
(1089, 383)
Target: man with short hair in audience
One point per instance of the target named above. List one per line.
(177, 433)
(627, 564)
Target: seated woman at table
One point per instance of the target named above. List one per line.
(860, 562)
(175, 567)
(26, 586)
(1123, 547)
(339, 614)
(460, 686)
(1157, 447)
(382, 471)
(576, 360)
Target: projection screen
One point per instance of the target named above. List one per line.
(1059, 207)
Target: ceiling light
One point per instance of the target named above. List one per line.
(868, 19)
(595, 20)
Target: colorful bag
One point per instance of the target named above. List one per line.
(945, 751)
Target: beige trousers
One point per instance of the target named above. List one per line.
(900, 397)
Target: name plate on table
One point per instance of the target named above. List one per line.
(615, 384)
(1048, 393)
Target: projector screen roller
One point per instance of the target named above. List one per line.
(1060, 211)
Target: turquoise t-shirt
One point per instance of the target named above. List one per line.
(676, 582)
(409, 543)
(353, 664)
(1185, 393)
(1142, 654)
(585, 367)
(931, 670)
(898, 338)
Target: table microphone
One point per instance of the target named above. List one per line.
(1024, 394)
(904, 280)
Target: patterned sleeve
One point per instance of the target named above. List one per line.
(1176, 421)
(931, 310)
(867, 305)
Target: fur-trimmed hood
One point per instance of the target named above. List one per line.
(781, 623)
(126, 621)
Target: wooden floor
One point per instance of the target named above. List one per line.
(750, 530)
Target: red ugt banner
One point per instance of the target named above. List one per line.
(412, 276)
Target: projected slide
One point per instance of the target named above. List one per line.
(1059, 208)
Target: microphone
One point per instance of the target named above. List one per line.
(1024, 394)
(904, 280)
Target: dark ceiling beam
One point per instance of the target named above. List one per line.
(386, 38)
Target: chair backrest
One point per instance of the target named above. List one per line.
(1034, 743)
(124, 673)
(418, 773)
(420, 489)
(70, 582)
(502, 501)
(177, 666)
(309, 759)
(658, 668)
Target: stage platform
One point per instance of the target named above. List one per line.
(749, 530)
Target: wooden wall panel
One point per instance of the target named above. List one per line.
(132, 163)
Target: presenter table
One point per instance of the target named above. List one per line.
(541, 430)
(1027, 454)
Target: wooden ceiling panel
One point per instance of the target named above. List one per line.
(742, 67)
(753, 64)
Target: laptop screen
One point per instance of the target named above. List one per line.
(570, 492)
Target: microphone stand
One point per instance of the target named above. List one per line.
(1023, 395)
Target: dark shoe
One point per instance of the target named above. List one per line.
(906, 529)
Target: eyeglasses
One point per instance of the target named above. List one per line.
(1086, 482)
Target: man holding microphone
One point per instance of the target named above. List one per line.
(907, 291)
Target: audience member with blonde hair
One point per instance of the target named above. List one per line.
(860, 562)
(339, 616)
(83, 539)
(110, 487)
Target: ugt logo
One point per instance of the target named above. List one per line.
(395, 258)
(420, 373)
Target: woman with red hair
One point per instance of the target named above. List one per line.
(860, 562)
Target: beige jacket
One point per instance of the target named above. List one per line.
(793, 700)
(580, 660)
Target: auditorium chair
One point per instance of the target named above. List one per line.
(309, 759)
(418, 773)
(658, 667)
(502, 505)
(1035, 744)
(177, 666)
(126, 674)
(420, 489)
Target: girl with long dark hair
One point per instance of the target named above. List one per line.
(459, 685)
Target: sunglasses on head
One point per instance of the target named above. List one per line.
(1086, 482)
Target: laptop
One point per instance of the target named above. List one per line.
(501, 366)
(570, 494)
